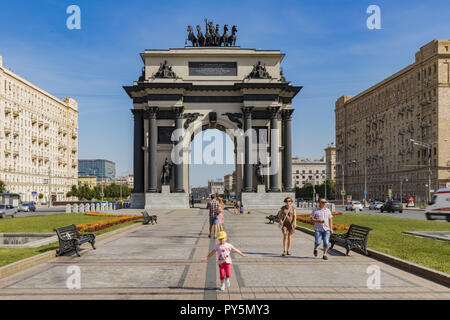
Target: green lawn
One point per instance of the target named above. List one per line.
(44, 224)
(387, 237)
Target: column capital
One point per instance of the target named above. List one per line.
(136, 112)
(274, 112)
(286, 114)
(151, 112)
(178, 112)
(247, 111)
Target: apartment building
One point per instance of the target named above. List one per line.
(393, 138)
(126, 180)
(38, 139)
(306, 170)
(229, 182)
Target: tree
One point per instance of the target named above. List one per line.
(2, 186)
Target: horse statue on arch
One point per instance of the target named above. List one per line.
(200, 37)
(191, 37)
(225, 36)
(232, 38)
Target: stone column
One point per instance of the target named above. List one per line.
(138, 151)
(248, 167)
(153, 140)
(145, 149)
(287, 151)
(274, 150)
(179, 167)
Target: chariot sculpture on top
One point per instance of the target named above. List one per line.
(212, 37)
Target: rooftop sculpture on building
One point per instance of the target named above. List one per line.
(212, 37)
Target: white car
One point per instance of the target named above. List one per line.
(7, 210)
(354, 206)
(375, 205)
(378, 205)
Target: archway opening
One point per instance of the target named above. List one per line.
(212, 165)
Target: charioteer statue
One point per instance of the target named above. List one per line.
(212, 37)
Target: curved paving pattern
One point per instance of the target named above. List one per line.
(165, 261)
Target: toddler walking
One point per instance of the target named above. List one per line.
(223, 250)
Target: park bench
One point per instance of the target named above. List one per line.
(356, 237)
(273, 218)
(149, 218)
(70, 239)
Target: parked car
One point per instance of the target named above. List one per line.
(375, 205)
(7, 210)
(379, 205)
(353, 206)
(27, 207)
(439, 205)
(392, 206)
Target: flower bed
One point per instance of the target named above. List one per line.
(106, 223)
(306, 218)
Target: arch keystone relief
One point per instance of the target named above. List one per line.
(241, 92)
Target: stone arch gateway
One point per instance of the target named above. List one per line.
(211, 87)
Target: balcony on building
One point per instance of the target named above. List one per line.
(425, 101)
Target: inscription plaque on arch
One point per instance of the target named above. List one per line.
(213, 68)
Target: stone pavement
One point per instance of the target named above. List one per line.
(165, 261)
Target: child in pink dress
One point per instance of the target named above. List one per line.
(223, 250)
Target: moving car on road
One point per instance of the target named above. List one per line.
(439, 205)
(392, 206)
(353, 206)
(27, 207)
(7, 210)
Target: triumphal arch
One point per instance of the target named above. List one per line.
(212, 84)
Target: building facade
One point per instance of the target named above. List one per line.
(229, 182)
(90, 181)
(223, 88)
(126, 180)
(330, 159)
(38, 140)
(305, 170)
(216, 187)
(104, 170)
(376, 131)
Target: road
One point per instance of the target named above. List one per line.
(41, 211)
(407, 213)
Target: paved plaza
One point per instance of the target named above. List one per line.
(165, 261)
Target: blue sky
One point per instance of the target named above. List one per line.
(329, 51)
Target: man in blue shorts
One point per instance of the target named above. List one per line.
(323, 227)
(213, 206)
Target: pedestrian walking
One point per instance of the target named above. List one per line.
(237, 207)
(223, 250)
(192, 201)
(288, 222)
(323, 227)
(220, 212)
(213, 206)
